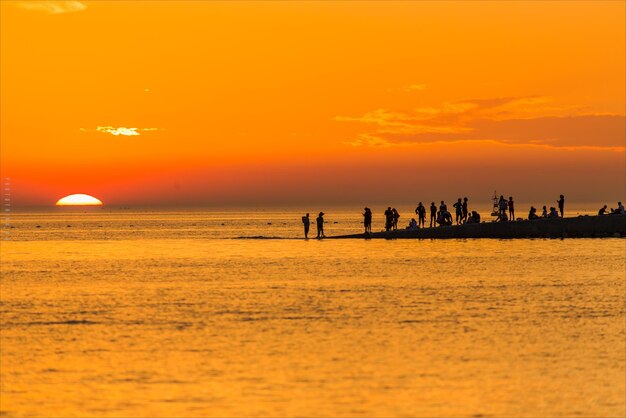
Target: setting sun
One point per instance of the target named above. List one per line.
(79, 200)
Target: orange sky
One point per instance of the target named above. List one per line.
(298, 102)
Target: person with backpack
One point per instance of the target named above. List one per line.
(307, 223)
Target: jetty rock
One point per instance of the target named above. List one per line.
(575, 227)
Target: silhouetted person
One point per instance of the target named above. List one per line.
(458, 206)
(553, 213)
(412, 224)
(475, 218)
(511, 209)
(444, 218)
(433, 214)
(367, 220)
(443, 207)
(307, 223)
(502, 217)
(620, 209)
(561, 203)
(532, 214)
(502, 205)
(421, 215)
(396, 216)
(464, 209)
(388, 219)
(544, 212)
(320, 225)
(602, 210)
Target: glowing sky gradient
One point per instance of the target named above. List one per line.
(216, 103)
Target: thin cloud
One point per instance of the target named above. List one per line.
(493, 108)
(373, 140)
(581, 131)
(118, 131)
(508, 120)
(53, 7)
(399, 122)
(370, 141)
(121, 130)
(414, 87)
(380, 117)
(570, 131)
(409, 88)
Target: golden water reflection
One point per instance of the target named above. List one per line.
(288, 327)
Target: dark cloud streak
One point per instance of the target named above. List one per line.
(570, 131)
(509, 120)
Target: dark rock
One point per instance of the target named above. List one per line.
(583, 226)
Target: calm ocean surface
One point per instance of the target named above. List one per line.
(172, 314)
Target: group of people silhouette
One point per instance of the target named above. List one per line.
(391, 219)
(441, 216)
(504, 210)
(552, 213)
(306, 221)
(438, 216)
(617, 211)
(504, 206)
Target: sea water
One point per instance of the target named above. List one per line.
(155, 313)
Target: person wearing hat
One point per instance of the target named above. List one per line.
(320, 225)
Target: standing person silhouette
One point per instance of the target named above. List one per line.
(464, 210)
(561, 203)
(307, 223)
(320, 225)
(421, 215)
(433, 214)
(396, 216)
(458, 206)
(502, 205)
(367, 220)
(388, 219)
(511, 209)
